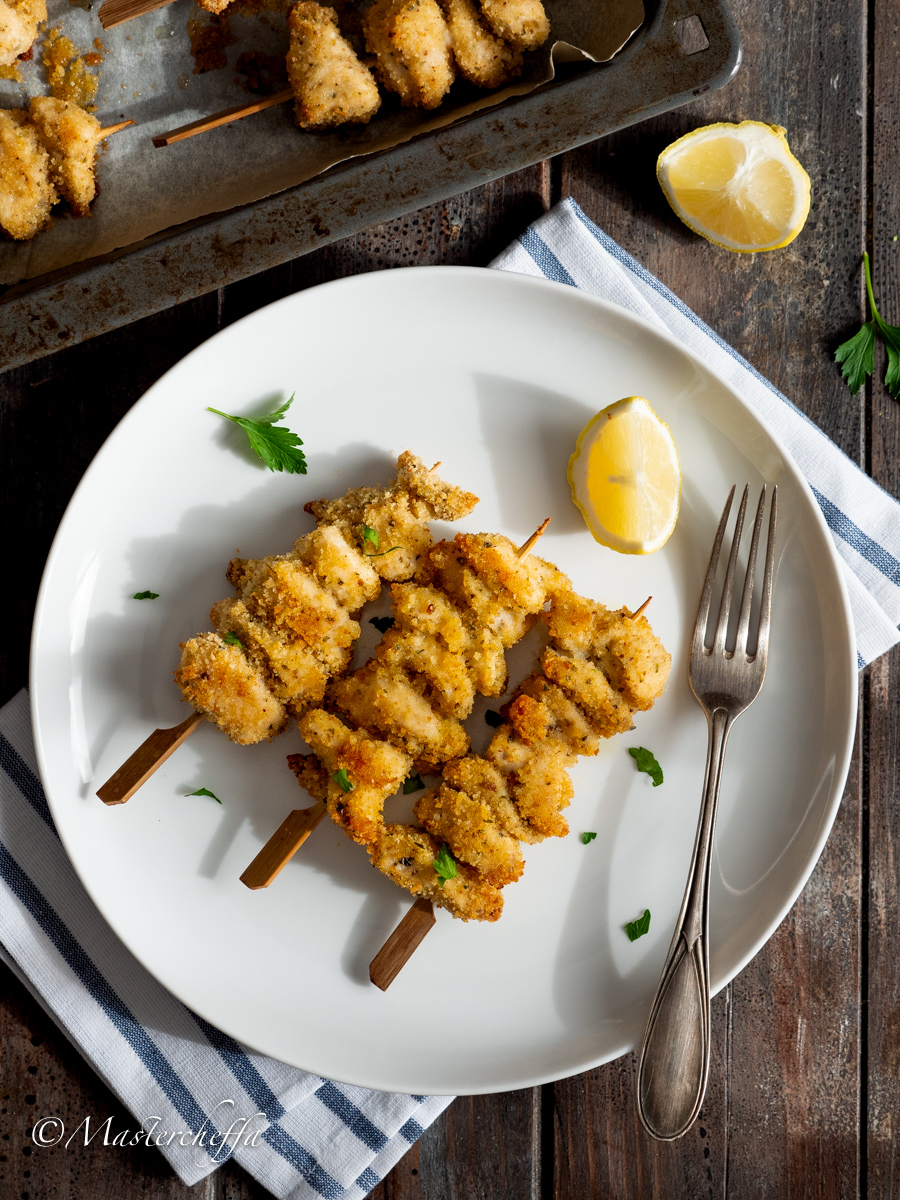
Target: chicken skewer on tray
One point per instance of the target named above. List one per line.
(290, 627)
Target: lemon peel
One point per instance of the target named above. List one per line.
(737, 185)
(625, 477)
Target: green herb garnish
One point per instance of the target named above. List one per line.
(445, 865)
(146, 596)
(493, 718)
(382, 624)
(233, 640)
(342, 779)
(638, 928)
(587, 837)
(857, 356)
(412, 784)
(276, 446)
(206, 792)
(370, 537)
(646, 762)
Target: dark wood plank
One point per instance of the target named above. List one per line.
(883, 919)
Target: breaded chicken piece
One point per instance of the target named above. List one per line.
(606, 709)
(481, 57)
(483, 572)
(411, 43)
(482, 781)
(26, 190)
(338, 566)
(468, 826)
(523, 23)
(220, 681)
(429, 611)
(449, 687)
(18, 27)
(387, 701)
(398, 512)
(406, 855)
(331, 86)
(70, 136)
(374, 768)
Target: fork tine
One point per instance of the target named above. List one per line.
(743, 629)
(728, 590)
(765, 611)
(706, 594)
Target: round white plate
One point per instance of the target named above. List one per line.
(493, 375)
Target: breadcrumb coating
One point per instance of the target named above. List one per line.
(468, 825)
(406, 854)
(220, 681)
(523, 23)
(18, 27)
(26, 190)
(411, 43)
(331, 86)
(70, 136)
(481, 57)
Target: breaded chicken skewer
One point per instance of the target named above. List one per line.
(290, 627)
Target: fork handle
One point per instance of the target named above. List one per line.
(674, 1060)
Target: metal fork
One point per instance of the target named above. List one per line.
(674, 1061)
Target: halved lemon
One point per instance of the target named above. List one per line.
(736, 185)
(625, 477)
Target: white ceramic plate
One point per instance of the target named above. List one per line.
(494, 375)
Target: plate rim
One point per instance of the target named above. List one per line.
(376, 279)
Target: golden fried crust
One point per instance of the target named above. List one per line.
(310, 773)
(26, 190)
(338, 566)
(70, 136)
(561, 716)
(470, 829)
(481, 57)
(449, 688)
(429, 611)
(18, 29)
(375, 769)
(282, 593)
(523, 23)
(406, 855)
(219, 681)
(607, 710)
(411, 44)
(386, 700)
(541, 788)
(331, 86)
(480, 779)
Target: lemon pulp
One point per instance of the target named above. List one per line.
(625, 477)
(736, 185)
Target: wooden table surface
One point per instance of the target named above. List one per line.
(804, 1083)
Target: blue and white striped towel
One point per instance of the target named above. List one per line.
(567, 247)
(186, 1083)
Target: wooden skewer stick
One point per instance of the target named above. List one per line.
(635, 615)
(283, 845)
(116, 12)
(104, 133)
(403, 942)
(152, 753)
(397, 950)
(220, 118)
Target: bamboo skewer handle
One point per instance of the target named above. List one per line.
(282, 845)
(151, 754)
(220, 118)
(104, 133)
(116, 12)
(400, 946)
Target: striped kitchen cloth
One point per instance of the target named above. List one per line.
(194, 1093)
(567, 247)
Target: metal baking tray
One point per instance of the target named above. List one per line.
(662, 67)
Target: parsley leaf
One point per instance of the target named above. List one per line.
(646, 762)
(493, 719)
(342, 779)
(233, 640)
(371, 535)
(638, 928)
(382, 624)
(276, 446)
(412, 784)
(205, 792)
(857, 356)
(587, 837)
(445, 865)
(146, 596)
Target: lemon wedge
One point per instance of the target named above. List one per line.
(625, 477)
(736, 185)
